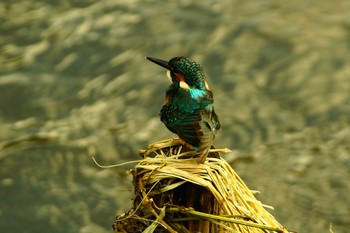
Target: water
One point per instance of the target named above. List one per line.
(74, 82)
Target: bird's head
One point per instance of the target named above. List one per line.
(183, 72)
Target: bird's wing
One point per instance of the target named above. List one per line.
(194, 120)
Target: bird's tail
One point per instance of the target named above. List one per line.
(205, 145)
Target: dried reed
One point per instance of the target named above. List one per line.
(174, 193)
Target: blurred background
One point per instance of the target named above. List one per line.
(74, 83)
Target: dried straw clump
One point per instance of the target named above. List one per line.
(173, 193)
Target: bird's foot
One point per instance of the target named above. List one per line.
(188, 146)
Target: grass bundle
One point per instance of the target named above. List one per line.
(173, 193)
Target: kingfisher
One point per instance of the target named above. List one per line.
(188, 110)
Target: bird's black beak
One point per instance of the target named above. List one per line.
(162, 63)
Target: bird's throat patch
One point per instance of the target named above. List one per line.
(168, 74)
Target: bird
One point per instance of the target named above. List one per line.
(188, 110)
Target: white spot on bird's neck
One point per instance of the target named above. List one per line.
(184, 85)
